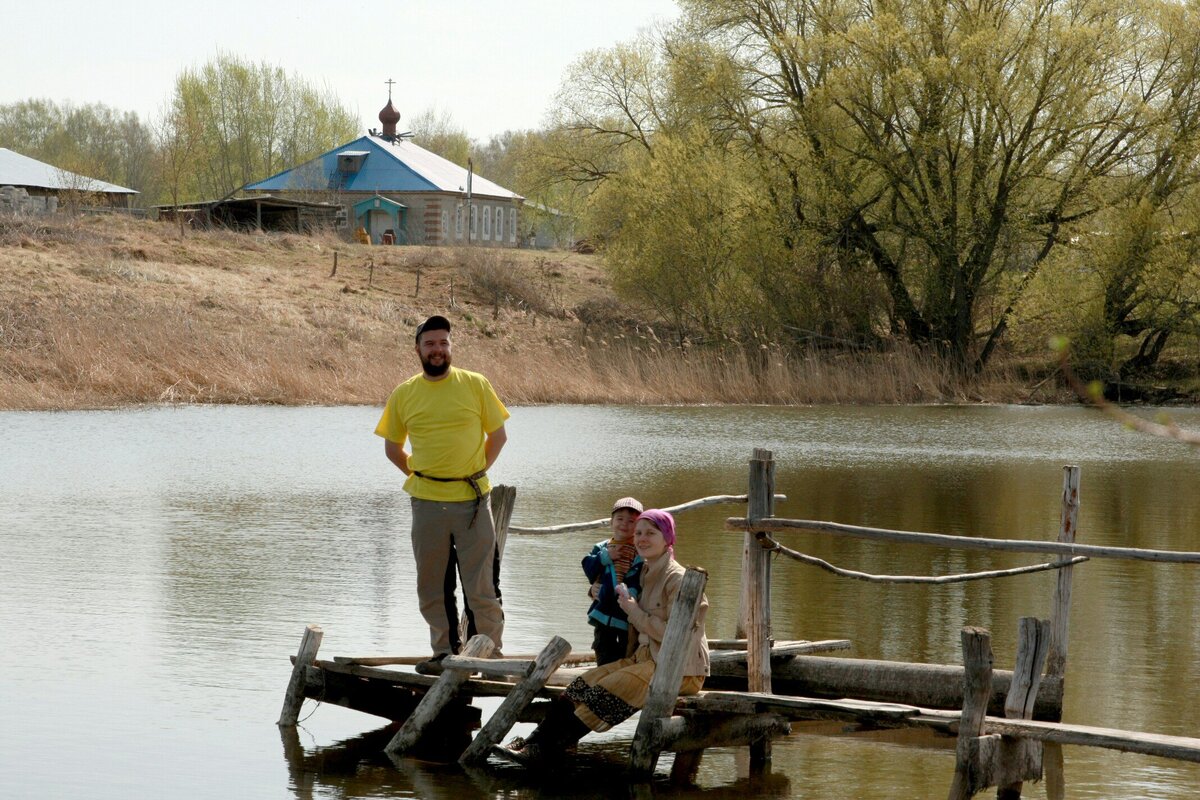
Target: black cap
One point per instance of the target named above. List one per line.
(435, 323)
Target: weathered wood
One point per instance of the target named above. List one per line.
(1182, 748)
(781, 650)
(293, 699)
(441, 693)
(977, 682)
(668, 672)
(756, 587)
(806, 708)
(925, 685)
(500, 500)
(385, 661)
(503, 499)
(938, 580)
(1023, 759)
(686, 767)
(603, 522)
(698, 731)
(522, 694)
(1060, 610)
(777, 525)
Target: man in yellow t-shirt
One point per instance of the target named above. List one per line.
(455, 423)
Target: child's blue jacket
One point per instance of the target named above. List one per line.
(598, 566)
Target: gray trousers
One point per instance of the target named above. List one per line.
(436, 527)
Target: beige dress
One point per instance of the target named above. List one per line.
(610, 694)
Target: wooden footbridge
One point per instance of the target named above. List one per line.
(759, 686)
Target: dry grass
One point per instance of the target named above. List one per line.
(110, 312)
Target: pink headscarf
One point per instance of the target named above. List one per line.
(664, 522)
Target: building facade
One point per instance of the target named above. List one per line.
(396, 190)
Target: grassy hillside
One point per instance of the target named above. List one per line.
(102, 312)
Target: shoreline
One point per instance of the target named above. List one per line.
(111, 313)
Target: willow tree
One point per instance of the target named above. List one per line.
(952, 144)
(254, 120)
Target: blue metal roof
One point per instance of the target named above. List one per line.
(399, 166)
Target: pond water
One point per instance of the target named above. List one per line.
(159, 566)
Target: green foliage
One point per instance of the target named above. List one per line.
(437, 132)
(244, 122)
(92, 140)
(931, 156)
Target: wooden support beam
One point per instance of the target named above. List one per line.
(293, 699)
(977, 682)
(497, 663)
(779, 651)
(521, 696)
(1033, 643)
(700, 731)
(1060, 610)
(668, 673)
(440, 694)
(806, 708)
(756, 590)
(924, 685)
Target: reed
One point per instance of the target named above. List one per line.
(104, 313)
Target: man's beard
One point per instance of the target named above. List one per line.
(436, 370)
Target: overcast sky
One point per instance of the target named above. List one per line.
(492, 65)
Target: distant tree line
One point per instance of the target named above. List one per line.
(226, 124)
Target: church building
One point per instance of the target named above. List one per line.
(400, 192)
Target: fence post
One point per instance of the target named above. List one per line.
(1022, 756)
(977, 687)
(1060, 610)
(1056, 661)
(668, 674)
(310, 643)
(756, 588)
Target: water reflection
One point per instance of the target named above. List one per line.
(174, 559)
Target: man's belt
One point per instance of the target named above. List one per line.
(472, 480)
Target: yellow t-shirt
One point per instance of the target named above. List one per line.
(446, 421)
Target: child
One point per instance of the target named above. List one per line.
(606, 567)
(606, 696)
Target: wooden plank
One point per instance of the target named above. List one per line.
(521, 696)
(475, 687)
(1060, 610)
(794, 707)
(777, 525)
(924, 685)
(977, 682)
(385, 661)
(757, 592)
(1182, 748)
(441, 693)
(668, 673)
(781, 650)
(604, 522)
(293, 698)
(1022, 760)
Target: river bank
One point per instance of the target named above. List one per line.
(107, 312)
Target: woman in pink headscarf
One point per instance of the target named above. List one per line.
(607, 695)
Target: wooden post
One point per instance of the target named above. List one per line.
(668, 674)
(756, 589)
(334, 272)
(417, 290)
(502, 500)
(506, 716)
(1060, 610)
(310, 643)
(977, 684)
(441, 693)
(1056, 661)
(1032, 644)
